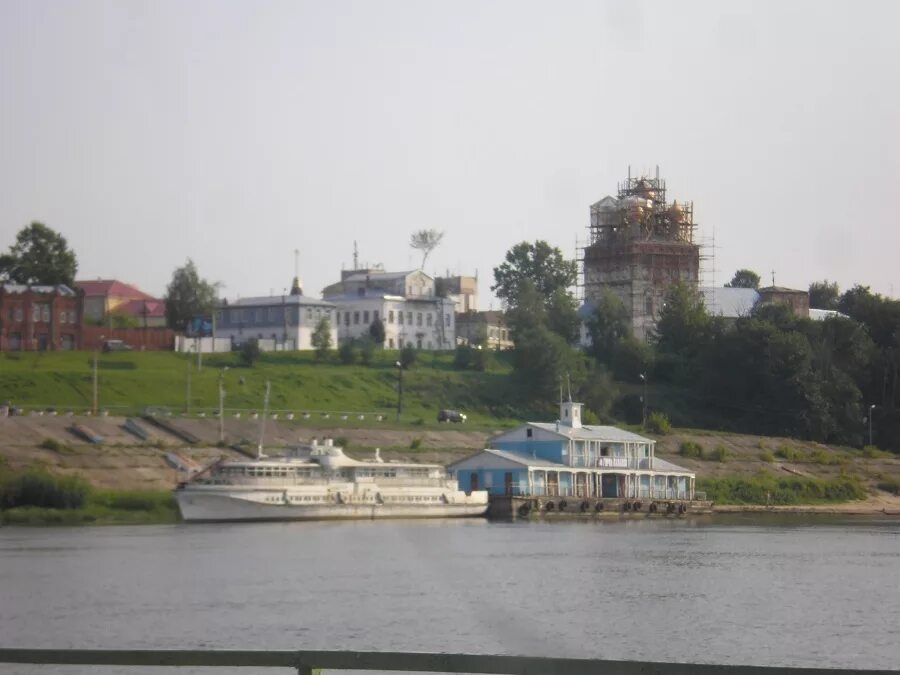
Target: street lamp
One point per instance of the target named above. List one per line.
(644, 401)
(399, 388)
(96, 388)
(871, 408)
(222, 405)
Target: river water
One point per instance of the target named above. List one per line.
(764, 590)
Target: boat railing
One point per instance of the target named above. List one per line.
(309, 662)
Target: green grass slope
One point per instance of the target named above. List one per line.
(130, 382)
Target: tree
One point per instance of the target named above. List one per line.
(407, 356)
(250, 352)
(425, 241)
(541, 264)
(744, 278)
(823, 295)
(608, 326)
(188, 296)
(682, 334)
(39, 256)
(348, 351)
(321, 338)
(376, 332)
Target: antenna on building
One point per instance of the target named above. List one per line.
(569, 386)
(355, 255)
(773, 278)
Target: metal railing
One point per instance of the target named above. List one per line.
(307, 662)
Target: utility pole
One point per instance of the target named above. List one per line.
(222, 406)
(187, 397)
(399, 389)
(94, 406)
(644, 401)
(871, 409)
(262, 424)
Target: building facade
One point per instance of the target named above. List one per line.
(484, 328)
(463, 290)
(640, 245)
(796, 300)
(277, 322)
(39, 318)
(404, 302)
(105, 299)
(568, 459)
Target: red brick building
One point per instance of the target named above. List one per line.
(39, 318)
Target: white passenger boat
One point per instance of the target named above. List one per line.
(319, 482)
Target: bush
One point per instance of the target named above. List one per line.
(348, 351)
(250, 352)
(658, 423)
(787, 452)
(53, 444)
(366, 351)
(872, 452)
(415, 444)
(767, 456)
(891, 485)
(719, 454)
(408, 356)
(691, 449)
(39, 488)
(766, 489)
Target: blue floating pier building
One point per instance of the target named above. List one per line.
(590, 464)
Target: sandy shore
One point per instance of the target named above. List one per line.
(881, 504)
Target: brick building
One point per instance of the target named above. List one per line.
(39, 318)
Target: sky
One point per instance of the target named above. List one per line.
(234, 133)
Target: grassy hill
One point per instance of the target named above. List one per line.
(129, 382)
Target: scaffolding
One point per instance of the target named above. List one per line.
(641, 212)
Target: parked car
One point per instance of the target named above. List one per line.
(116, 346)
(451, 416)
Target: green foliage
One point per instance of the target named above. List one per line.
(544, 266)
(41, 489)
(608, 327)
(39, 255)
(683, 334)
(408, 356)
(348, 351)
(891, 485)
(321, 338)
(691, 449)
(55, 445)
(415, 444)
(767, 489)
(767, 456)
(467, 357)
(124, 321)
(718, 454)
(872, 452)
(823, 295)
(366, 351)
(188, 296)
(744, 278)
(250, 352)
(787, 452)
(376, 332)
(658, 423)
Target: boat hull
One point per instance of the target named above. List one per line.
(197, 507)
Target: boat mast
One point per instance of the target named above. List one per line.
(262, 422)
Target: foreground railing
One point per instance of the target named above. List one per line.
(306, 662)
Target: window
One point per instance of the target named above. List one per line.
(273, 314)
(36, 313)
(18, 313)
(259, 316)
(447, 320)
(428, 319)
(401, 343)
(375, 315)
(355, 317)
(390, 343)
(529, 433)
(346, 318)
(338, 315)
(391, 316)
(418, 318)
(409, 318)
(366, 317)
(45, 313)
(62, 317)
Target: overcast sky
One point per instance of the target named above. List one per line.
(235, 132)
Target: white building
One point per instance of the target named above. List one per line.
(404, 302)
(277, 322)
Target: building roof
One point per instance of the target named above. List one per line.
(380, 276)
(276, 301)
(781, 289)
(152, 309)
(518, 458)
(61, 289)
(592, 432)
(822, 314)
(663, 465)
(112, 287)
(730, 303)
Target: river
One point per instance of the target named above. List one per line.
(764, 590)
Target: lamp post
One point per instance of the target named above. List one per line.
(187, 393)
(222, 405)
(399, 388)
(96, 387)
(644, 401)
(871, 408)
